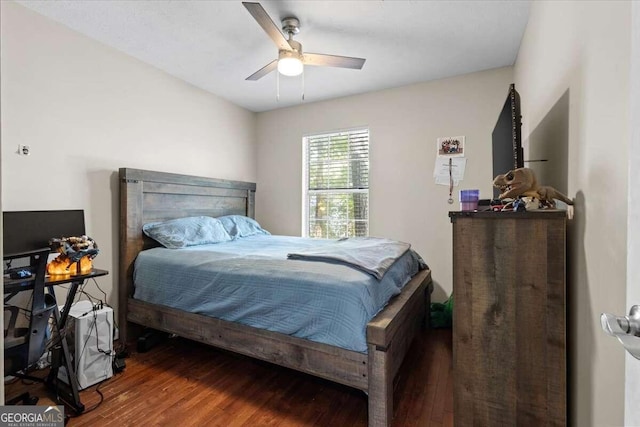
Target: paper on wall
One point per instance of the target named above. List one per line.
(441, 169)
(442, 180)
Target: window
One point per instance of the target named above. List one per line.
(336, 184)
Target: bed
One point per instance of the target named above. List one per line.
(149, 196)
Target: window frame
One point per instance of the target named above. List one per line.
(305, 175)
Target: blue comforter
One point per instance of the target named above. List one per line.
(251, 281)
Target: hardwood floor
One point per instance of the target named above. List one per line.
(184, 383)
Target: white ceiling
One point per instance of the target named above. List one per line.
(215, 45)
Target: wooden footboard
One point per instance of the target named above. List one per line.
(389, 336)
(154, 196)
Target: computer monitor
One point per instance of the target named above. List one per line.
(24, 231)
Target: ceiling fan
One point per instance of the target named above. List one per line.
(291, 59)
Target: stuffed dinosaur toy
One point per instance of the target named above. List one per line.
(522, 182)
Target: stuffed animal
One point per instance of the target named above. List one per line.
(522, 182)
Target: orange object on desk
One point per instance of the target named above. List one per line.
(62, 266)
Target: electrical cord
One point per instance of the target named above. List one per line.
(94, 407)
(100, 289)
(94, 325)
(103, 302)
(121, 347)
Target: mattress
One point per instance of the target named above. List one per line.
(251, 281)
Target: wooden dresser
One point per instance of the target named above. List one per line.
(509, 322)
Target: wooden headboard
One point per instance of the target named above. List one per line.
(148, 196)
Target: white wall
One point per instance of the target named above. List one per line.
(404, 123)
(632, 377)
(86, 110)
(581, 50)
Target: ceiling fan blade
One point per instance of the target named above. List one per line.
(260, 15)
(320, 59)
(264, 70)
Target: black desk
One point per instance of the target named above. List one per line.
(18, 285)
(68, 393)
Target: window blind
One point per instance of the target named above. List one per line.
(337, 184)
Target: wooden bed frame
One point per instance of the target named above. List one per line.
(147, 196)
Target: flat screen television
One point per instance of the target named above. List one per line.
(507, 137)
(24, 231)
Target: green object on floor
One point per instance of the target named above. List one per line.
(442, 313)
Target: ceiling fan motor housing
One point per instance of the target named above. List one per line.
(295, 48)
(291, 25)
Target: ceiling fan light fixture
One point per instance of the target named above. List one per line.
(290, 63)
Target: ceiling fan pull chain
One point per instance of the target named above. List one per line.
(303, 85)
(278, 87)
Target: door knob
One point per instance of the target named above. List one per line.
(625, 328)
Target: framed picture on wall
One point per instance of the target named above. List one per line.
(451, 146)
